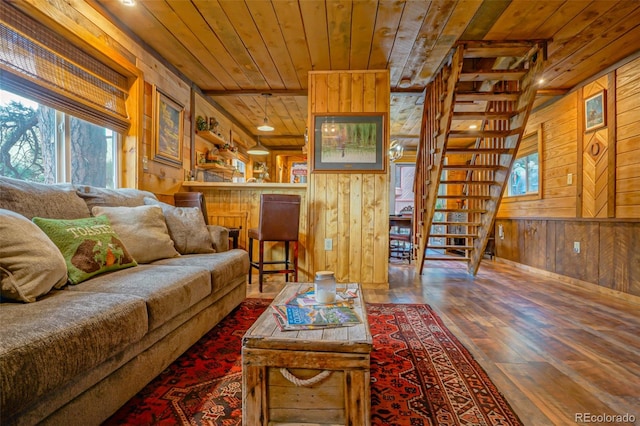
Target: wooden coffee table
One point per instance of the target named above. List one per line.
(319, 376)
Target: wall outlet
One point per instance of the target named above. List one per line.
(328, 244)
(145, 163)
(576, 246)
(570, 179)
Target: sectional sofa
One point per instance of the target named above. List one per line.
(74, 348)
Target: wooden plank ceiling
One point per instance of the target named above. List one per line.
(236, 50)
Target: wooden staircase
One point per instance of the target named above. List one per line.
(462, 170)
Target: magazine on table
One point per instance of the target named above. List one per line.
(303, 312)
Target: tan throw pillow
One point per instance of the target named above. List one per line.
(186, 227)
(89, 246)
(30, 264)
(143, 231)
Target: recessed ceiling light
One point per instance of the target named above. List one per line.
(128, 2)
(473, 126)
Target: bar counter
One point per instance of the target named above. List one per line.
(237, 205)
(197, 186)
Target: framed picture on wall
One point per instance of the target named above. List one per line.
(346, 143)
(595, 111)
(168, 122)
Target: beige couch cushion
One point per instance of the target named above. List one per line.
(30, 264)
(143, 231)
(187, 228)
(104, 197)
(31, 199)
(44, 345)
(224, 267)
(168, 291)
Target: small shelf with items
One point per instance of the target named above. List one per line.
(209, 136)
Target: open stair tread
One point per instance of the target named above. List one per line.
(488, 115)
(452, 259)
(468, 182)
(464, 197)
(487, 96)
(501, 75)
(456, 134)
(472, 167)
(478, 150)
(447, 235)
(457, 223)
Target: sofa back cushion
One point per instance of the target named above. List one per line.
(30, 264)
(121, 197)
(143, 231)
(30, 199)
(187, 228)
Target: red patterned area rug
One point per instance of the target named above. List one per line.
(420, 375)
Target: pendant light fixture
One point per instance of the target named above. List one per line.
(258, 149)
(265, 127)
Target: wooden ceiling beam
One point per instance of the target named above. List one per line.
(551, 92)
(256, 92)
(297, 92)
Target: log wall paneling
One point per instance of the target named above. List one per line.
(351, 209)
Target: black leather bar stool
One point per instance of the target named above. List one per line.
(279, 222)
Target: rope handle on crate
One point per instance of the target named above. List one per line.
(305, 382)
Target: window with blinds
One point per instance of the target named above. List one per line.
(38, 63)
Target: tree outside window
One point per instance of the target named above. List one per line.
(524, 179)
(41, 144)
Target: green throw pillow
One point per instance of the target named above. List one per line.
(90, 246)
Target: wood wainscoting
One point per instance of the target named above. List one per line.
(603, 252)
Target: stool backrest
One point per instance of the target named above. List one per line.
(192, 199)
(279, 217)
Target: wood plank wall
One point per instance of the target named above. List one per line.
(601, 207)
(627, 173)
(351, 209)
(608, 255)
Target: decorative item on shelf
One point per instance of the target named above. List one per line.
(227, 147)
(260, 172)
(213, 124)
(211, 154)
(201, 123)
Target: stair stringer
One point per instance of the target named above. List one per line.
(435, 170)
(496, 191)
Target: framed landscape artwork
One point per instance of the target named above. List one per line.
(167, 129)
(595, 111)
(348, 143)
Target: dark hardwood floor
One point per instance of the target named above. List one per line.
(556, 351)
